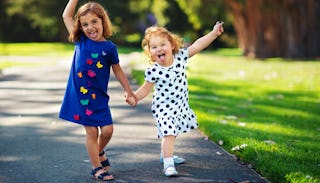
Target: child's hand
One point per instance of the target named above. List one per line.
(131, 100)
(218, 28)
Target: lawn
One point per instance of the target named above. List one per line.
(265, 112)
(38, 53)
(43, 49)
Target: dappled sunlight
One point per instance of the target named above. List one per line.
(259, 110)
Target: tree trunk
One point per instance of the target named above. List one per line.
(277, 28)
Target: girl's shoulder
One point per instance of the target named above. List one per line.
(152, 67)
(182, 54)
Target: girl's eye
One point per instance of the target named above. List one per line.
(84, 25)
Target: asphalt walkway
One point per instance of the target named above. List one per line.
(36, 146)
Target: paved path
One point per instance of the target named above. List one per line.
(36, 146)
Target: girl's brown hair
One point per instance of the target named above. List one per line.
(91, 7)
(175, 40)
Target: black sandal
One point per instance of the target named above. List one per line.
(101, 176)
(105, 164)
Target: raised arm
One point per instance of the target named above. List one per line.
(68, 14)
(204, 41)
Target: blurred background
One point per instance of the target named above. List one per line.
(257, 84)
(261, 28)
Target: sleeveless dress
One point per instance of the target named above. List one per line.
(170, 104)
(86, 98)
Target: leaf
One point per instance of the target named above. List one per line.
(220, 142)
(269, 142)
(239, 147)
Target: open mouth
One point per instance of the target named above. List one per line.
(161, 57)
(93, 34)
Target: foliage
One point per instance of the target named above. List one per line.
(269, 108)
(39, 15)
(38, 20)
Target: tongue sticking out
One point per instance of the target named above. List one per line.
(162, 58)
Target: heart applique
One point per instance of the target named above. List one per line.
(91, 74)
(89, 112)
(99, 65)
(94, 55)
(83, 90)
(89, 62)
(84, 102)
(80, 74)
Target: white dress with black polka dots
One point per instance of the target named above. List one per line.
(170, 107)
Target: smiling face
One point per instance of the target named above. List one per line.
(91, 26)
(160, 49)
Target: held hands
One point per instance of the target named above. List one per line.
(131, 99)
(218, 28)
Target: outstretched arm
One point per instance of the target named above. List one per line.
(68, 14)
(204, 41)
(144, 90)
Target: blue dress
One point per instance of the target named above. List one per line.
(86, 98)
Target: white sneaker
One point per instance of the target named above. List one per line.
(177, 160)
(170, 171)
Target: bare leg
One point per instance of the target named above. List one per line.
(105, 136)
(167, 146)
(92, 145)
(168, 163)
(104, 139)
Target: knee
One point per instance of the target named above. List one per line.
(169, 138)
(107, 131)
(91, 132)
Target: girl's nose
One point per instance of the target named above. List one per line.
(90, 26)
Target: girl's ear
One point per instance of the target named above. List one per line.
(173, 46)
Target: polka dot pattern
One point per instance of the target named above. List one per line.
(170, 106)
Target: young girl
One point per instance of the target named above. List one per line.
(167, 75)
(86, 99)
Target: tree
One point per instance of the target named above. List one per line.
(277, 28)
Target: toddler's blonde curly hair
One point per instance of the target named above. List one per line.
(175, 40)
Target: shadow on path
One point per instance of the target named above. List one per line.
(36, 146)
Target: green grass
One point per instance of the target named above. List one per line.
(35, 49)
(44, 49)
(33, 53)
(9, 53)
(272, 106)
